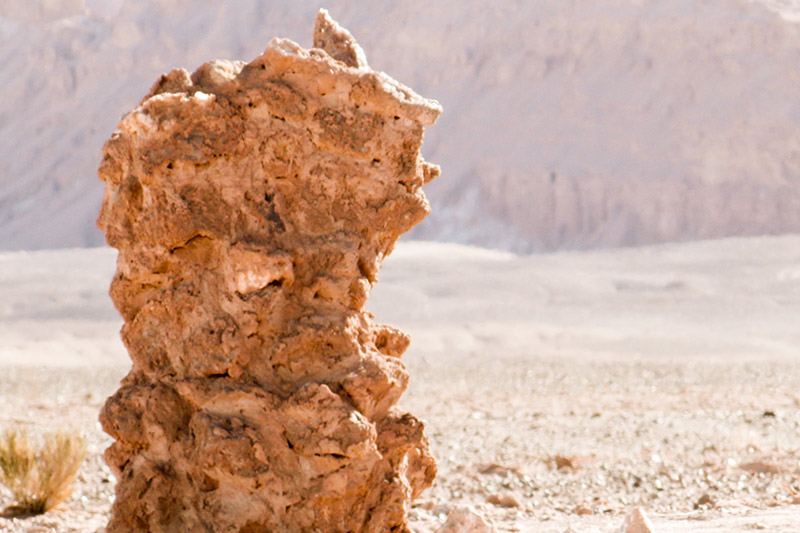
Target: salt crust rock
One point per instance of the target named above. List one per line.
(637, 522)
(466, 519)
(252, 206)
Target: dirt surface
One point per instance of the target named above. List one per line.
(660, 436)
(522, 413)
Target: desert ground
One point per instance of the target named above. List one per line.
(580, 124)
(560, 390)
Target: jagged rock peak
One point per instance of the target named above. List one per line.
(337, 41)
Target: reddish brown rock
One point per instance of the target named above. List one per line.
(252, 206)
(466, 520)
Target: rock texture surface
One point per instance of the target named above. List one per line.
(252, 206)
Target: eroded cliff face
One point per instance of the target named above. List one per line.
(252, 206)
(581, 124)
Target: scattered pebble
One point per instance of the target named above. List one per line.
(465, 519)
(441, 509)
(705, 502)
(505, 499)
(496, 468)
(428, 505)
(761, 467)
(637, 522)
(564, 462)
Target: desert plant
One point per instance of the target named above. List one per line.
(39, 473)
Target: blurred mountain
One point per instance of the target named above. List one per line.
(567, 123)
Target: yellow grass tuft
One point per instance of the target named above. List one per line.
(40, 473)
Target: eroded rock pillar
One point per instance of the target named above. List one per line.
(252, 206)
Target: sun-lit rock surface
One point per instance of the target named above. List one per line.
(252, 206)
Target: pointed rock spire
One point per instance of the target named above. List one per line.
(337, 41)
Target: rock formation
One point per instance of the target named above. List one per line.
(252, 206)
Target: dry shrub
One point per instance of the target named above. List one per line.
(40, 473)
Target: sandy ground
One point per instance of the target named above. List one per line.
(560, 390)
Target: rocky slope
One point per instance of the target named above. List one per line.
(567, 124)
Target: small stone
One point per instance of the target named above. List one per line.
(761, 467)
(564, 462)
(505, 499)
(637, 522)
(582, 510)
(466, 520)
(416, 513)
(441, 509)
(428, 505)
(705, 502)
(496, 468)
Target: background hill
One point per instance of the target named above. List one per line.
(567, 124)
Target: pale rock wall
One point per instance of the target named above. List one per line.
(572, 124)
